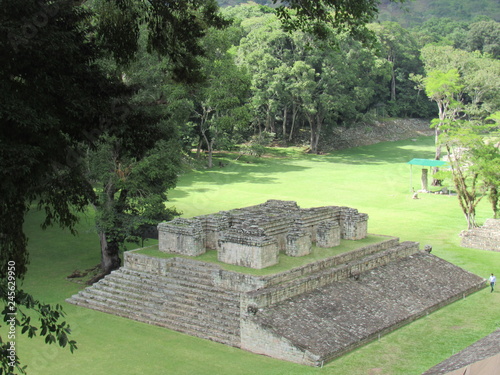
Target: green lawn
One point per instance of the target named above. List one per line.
(374, 179)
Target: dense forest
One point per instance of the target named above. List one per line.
(417, 12)
(291, 84)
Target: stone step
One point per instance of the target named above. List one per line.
(204, 277)
(159, 284)
(229, 310)
(333, 262)
(199, 318)
(187, 328)
(190, 276)
(171, 289)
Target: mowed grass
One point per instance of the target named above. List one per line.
(374, 179)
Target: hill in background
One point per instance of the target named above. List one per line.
(415, 12)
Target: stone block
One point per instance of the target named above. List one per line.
(328, 234)
(181, 236)
(252, 255)
(298, 243)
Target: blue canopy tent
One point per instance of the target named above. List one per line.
(425, 163)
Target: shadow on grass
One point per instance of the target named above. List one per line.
(381, 153)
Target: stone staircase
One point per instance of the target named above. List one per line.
(184, 300)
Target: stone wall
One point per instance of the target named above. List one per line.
(241, 282)
(262, 340)
(486, 237)
(144, 263)
(182, 236)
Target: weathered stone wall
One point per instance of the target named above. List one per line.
(354, 225)
(257, 255)
(486, 237)
(328, 234)
(298, 243)
(330, 262)
(375, 132)
(144, 263)
(182, 236)
(251, 236)
(240, 282)
(213, 226)
(261, 340)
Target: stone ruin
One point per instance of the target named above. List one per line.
(309, 314)
(255, 236)
(486, 237)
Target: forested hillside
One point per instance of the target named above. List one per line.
(415, 12)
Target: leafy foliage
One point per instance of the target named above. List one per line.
(48, 109)
(174, 30)
(50, 325)
(320, 17)
(414, 13)
(257, 144)
(466, 96)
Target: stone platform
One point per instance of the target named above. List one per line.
(308, 315)
(486, 237)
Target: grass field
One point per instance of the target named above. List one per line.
(374, 179)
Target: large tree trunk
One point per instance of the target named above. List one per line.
(494, 196)
(285, 111)
(295, 110)
(209, 149)
(110, 255)
(315, 123)
(393, 85)
(198, 149)
(312, 126)
(437, 132)
(425, 184)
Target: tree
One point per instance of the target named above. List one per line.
(318, 84)
(173, 30)
(220, 101)
(132, 185)
(400, 49)
(321, 17)
(466, 96)
(53, 97)
(446, 90)
(57, 101)
(484, 36)
(460, 83)
(474, 165)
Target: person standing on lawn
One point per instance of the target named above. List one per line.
(493, 280)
